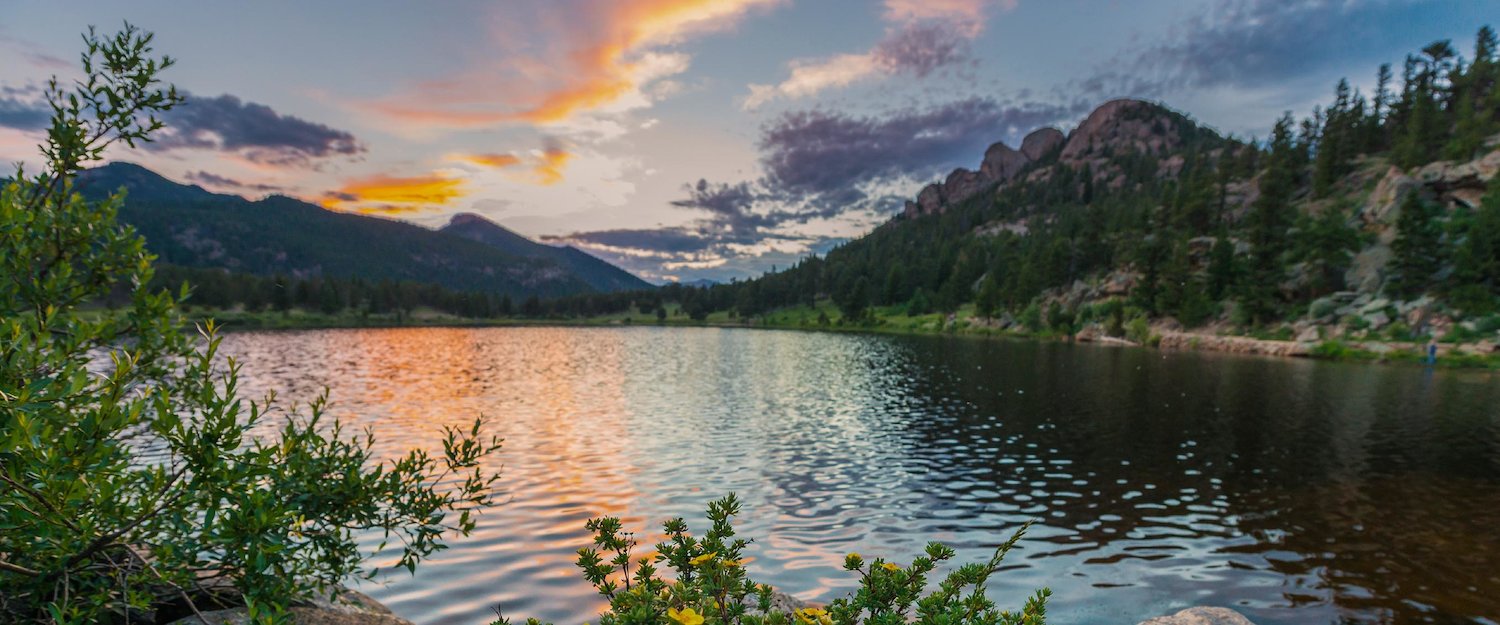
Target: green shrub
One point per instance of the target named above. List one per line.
(1031, 317)
(1139, 330)
(711, 587)
(126, 459)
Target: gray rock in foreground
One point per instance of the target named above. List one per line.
(1201, 616)
(355, 609)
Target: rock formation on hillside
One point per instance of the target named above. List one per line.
(1117, 127)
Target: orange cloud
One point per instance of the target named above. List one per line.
(496, 161)
(548, 170)
(603, 60)
(390, 194)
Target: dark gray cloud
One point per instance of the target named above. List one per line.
(1257, 43)
(672, 241)
(824, 158)
(23, 108)
(923, 48)
(255, 131)
(224, 182)
(821, 164)
(730, 206)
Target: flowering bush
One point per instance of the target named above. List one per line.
(711, 586)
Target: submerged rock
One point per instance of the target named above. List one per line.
(1201, 616)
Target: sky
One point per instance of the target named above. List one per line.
(684, 139)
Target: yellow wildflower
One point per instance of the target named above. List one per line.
(685, 616)
(891, 566)
(813, 616)
(698, 561)
(734, 563)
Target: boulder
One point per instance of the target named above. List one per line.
(1001, 163)
(1123, 126)
(1201, 616)
(961, 184)
(1366, 271)
(930, 200)
(1041, 142)
(355, 608)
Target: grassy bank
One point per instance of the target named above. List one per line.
(823, 317)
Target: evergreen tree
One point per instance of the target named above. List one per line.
(1222, 268)
(1476, 274)
(1326, 243)
(1269, 219)
(1417, 251)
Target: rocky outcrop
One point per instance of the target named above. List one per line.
(1001, 162)
(1234, 344)
(1201, 616)
(962, 184)
(352, 608)
(1117, 127)
(1121, 126)
(1041, 142)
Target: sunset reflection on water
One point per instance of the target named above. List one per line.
(1294, 491)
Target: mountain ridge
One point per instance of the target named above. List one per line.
(189, 226)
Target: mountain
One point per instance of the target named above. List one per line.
(1373, 219)
(597, 273)
(188, 226)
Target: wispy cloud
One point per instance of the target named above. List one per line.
(491, 160)
(607, 60)
(550, 165)
(923, 37)
(225, 183)
(391, 194)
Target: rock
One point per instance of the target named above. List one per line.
(1385, 202)
(1001, 163)
(1041, 142)
(931, 199)
(961, 184)
(1233, 344)
(1122, 126)
(1201, 616)
(1376, 320)
(1378, 304)
(1366, 273)
(1309, 334)
(356, 609)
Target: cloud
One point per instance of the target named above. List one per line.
(921, 49)
(224, 182)
(390, 194)
(577, 66)
(1264, 43)
(33, 55)
(550, 163)
(829, 158)
(254, 131)
(922, 38)
(23, 108)
(493, 160)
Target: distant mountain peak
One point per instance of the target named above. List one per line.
(1115, 128)
(596, 272)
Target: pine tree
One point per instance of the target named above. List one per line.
(1269, 219)
(1417, 250)
(1222, 268)
(988, 300)
(1476, 273)
(1327, 243)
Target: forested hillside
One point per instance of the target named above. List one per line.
(1378, 213)
(285, 242)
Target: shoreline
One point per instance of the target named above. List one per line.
(1479, 355)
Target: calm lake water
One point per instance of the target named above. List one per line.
(1293, 491)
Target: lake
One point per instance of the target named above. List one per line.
(1291, 490)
